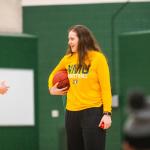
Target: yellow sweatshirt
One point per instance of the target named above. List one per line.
(89, 87)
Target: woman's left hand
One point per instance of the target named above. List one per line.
(106, 120)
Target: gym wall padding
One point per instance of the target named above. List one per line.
(50, 24)
(134, 63)
(19, 51)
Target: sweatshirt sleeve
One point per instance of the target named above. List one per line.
(104, 80)
(60, 66)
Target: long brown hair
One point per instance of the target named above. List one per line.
(86, 43)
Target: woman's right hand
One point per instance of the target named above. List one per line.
(56, 91)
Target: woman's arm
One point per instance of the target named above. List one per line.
(55, 91)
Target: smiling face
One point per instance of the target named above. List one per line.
(73, 41)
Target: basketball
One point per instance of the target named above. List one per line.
(62, 78)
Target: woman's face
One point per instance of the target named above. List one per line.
(73, 41)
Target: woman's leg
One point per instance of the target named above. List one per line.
(94, 136)
(74, 131)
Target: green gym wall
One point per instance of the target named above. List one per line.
(50, 24)
(19, 52)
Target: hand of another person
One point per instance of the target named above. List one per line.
(3, 87)
(56, 91)
(106, 120)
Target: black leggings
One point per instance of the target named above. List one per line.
(82, 129)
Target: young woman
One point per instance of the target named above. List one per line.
(89, 96)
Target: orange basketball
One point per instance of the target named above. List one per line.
(62, 78)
